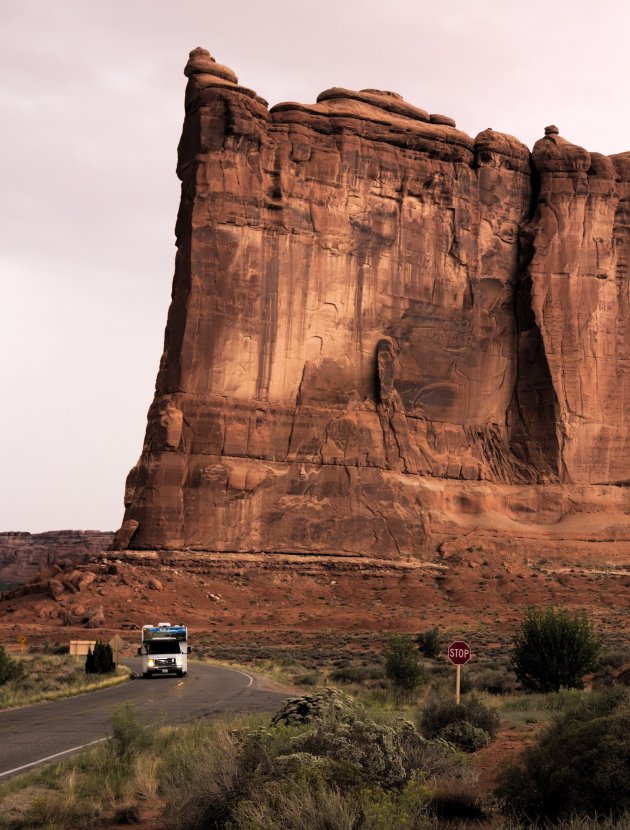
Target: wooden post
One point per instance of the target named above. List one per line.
(457, 683)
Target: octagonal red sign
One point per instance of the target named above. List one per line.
(459, 652)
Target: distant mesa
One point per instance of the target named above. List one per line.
(23, 555)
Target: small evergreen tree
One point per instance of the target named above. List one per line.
(402, 666)
(89, 662)
(101, 660)
(429, 642)
(104, 657)
(10, 669)
(554, 649)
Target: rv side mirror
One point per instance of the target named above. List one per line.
(189, 649)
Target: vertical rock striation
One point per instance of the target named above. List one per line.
(579, 296)
(378, 324)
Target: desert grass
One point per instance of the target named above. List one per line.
(189, 773)
(117, 776)
(575, 823)
(196, 774)
(519, 709)
(50, 677)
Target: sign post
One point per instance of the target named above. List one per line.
(459, 654)
(117, 644)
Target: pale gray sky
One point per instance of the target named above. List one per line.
(92, 104)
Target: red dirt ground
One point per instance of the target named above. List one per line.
(241, 597)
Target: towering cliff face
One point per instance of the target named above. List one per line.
(382, 330)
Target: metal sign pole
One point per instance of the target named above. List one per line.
(457, 683)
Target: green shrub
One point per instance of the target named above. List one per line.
(323, 774)
(377, 752)
(129, 734)
(101, 660)
(465, 736)
(429, 643)
(402, 666)
(584, 823)
(10, 669)
(613, 658)
(404, 809)
(307, 679)
(554, 649)
(357, 674)
(440, 717)
(457, 800)
(200, 776)
(295, 804)
(579, 766)
(499, 681)
(556, 702)
(436, 760)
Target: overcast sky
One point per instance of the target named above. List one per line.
(92, 106)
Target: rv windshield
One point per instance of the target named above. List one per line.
(163, 647)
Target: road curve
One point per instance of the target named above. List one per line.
(44, 732)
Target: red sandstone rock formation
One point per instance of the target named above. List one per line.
(384, 332)
(23, 555)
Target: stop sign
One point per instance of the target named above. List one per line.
(459, 652)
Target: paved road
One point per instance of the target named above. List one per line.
(50, 731)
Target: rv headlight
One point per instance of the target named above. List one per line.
(150, 662)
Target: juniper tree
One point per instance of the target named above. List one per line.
(554, 649)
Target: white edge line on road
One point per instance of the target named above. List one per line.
(50, 757)
(251, 679)
(91, 743)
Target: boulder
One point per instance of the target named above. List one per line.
(56, 588)
(95, 617)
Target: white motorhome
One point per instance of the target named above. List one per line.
(164, 649)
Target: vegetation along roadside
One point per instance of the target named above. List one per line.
(32, 678)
